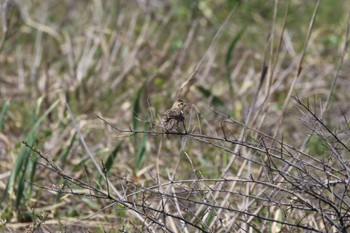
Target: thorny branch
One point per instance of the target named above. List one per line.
(294, 180)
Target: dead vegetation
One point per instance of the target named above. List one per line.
(83, 85)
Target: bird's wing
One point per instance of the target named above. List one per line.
(172, 113)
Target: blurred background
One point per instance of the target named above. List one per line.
(236, 63)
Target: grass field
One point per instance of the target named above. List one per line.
(83, 85)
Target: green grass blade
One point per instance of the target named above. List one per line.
(229, 55)
(110, 159)
(140, 147)
(112, 156)
(15, 172)
(208, 94)
(40, 119)
(141, 151)
(137, 108)
(209, 220)
(64, 154)
(20, 167)
(3, 113)
(21, 184)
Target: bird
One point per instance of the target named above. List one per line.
(172, 117)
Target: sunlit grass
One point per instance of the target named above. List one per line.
(127, 62)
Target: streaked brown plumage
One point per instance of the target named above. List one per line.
(173, 117)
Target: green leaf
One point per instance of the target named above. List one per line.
(209, 219)
(63, 155)
(91, 203)
(37, 122)
(141, 151)
(207, 93)
(229, 55)
(277, 227)
(198, 174)
(316, 145)
(3, 113)
(137, 107)
(140, 147)
(21, 165)
(112, 156)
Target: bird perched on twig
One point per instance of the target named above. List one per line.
(173, 117)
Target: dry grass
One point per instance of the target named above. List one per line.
(84, 83)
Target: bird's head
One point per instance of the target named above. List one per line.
(179, 104)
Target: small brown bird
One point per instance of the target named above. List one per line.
(174, 116)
